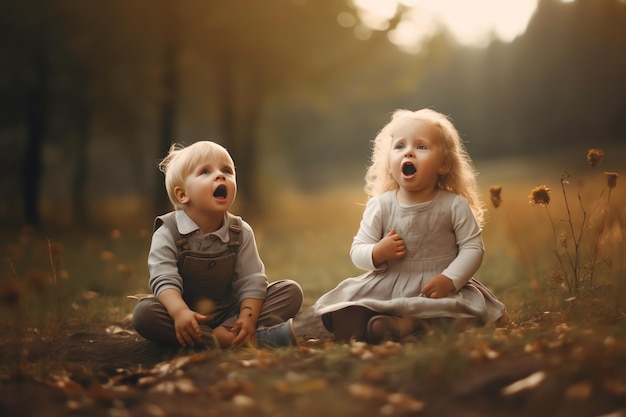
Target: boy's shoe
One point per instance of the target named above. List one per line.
(277, 336)
(383, 327)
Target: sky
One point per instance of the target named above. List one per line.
(471, 22)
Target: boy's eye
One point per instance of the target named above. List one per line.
(204, 171)
(399, 146)
(421, 147)
(227, 170)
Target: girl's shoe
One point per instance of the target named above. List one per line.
(277, 336)
(383, 327)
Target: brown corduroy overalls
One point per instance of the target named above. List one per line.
(207, 289)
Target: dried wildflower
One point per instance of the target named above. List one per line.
(611, 179)
(540, 195)
(565, 178)
(495, 192)
(594, 156)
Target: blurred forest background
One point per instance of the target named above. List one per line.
(94, 93)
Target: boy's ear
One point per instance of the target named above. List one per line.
(180, 194)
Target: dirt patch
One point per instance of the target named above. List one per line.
(98, 370)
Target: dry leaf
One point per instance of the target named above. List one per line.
(615, 386)
(580, 391)
(244, 402)
(139, 296)
(403, 402)
(531, 381)
(364, 391)
(186, 386)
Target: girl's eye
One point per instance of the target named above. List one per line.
(422, 147)
(204, 171)
(227, 170)
(399, 146)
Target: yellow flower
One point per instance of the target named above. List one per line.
(611, 179)
(594, 156)
(496, 200)
(540, 195)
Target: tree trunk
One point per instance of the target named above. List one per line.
(36, 109)
(81, 169)
(169, 105)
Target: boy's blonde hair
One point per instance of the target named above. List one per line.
(461, 177)
(181, 161)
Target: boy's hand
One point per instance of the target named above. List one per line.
(186, 323)
(438, 287)
(389, 247)
(245, 330)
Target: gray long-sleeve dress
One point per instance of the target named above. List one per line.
(441, 236)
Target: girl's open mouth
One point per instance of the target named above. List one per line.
(408, 169)
(220, 192)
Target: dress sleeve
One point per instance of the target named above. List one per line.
(469, 242)
(250, 279)
(370, 232)
(162, 263)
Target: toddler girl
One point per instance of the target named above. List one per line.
(419, 238)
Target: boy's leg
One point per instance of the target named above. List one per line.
(283, 301)
(152, 321)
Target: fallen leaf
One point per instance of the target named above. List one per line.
(531, 381)
(364, 391)
(580, 391)
(244, 402)
(615, 386)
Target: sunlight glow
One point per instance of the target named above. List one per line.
(472, 23)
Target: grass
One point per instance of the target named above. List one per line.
(48, 281)
(307, 237)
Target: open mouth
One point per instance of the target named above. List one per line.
(408, 169)
(220, 192)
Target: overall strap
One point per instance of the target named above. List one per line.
(234, 232)
(169, 220)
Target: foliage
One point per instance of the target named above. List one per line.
(289, 91)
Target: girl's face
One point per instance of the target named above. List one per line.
(416, 160)
(210, 188)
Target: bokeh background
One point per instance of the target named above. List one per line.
(94, 93)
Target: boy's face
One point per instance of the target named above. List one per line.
(210, 187)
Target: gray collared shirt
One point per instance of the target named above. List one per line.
(250, 281)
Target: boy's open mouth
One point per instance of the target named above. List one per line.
(408, 169)
(220, 192)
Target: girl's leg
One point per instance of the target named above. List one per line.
(350, 322)
(386, 327)
(283, 301)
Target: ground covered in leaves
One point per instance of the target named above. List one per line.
(543, 367)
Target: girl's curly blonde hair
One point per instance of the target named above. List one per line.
(460, 178)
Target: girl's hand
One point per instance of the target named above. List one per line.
(438, 287)
(186, 323)
(389, 247)
(245, 331)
